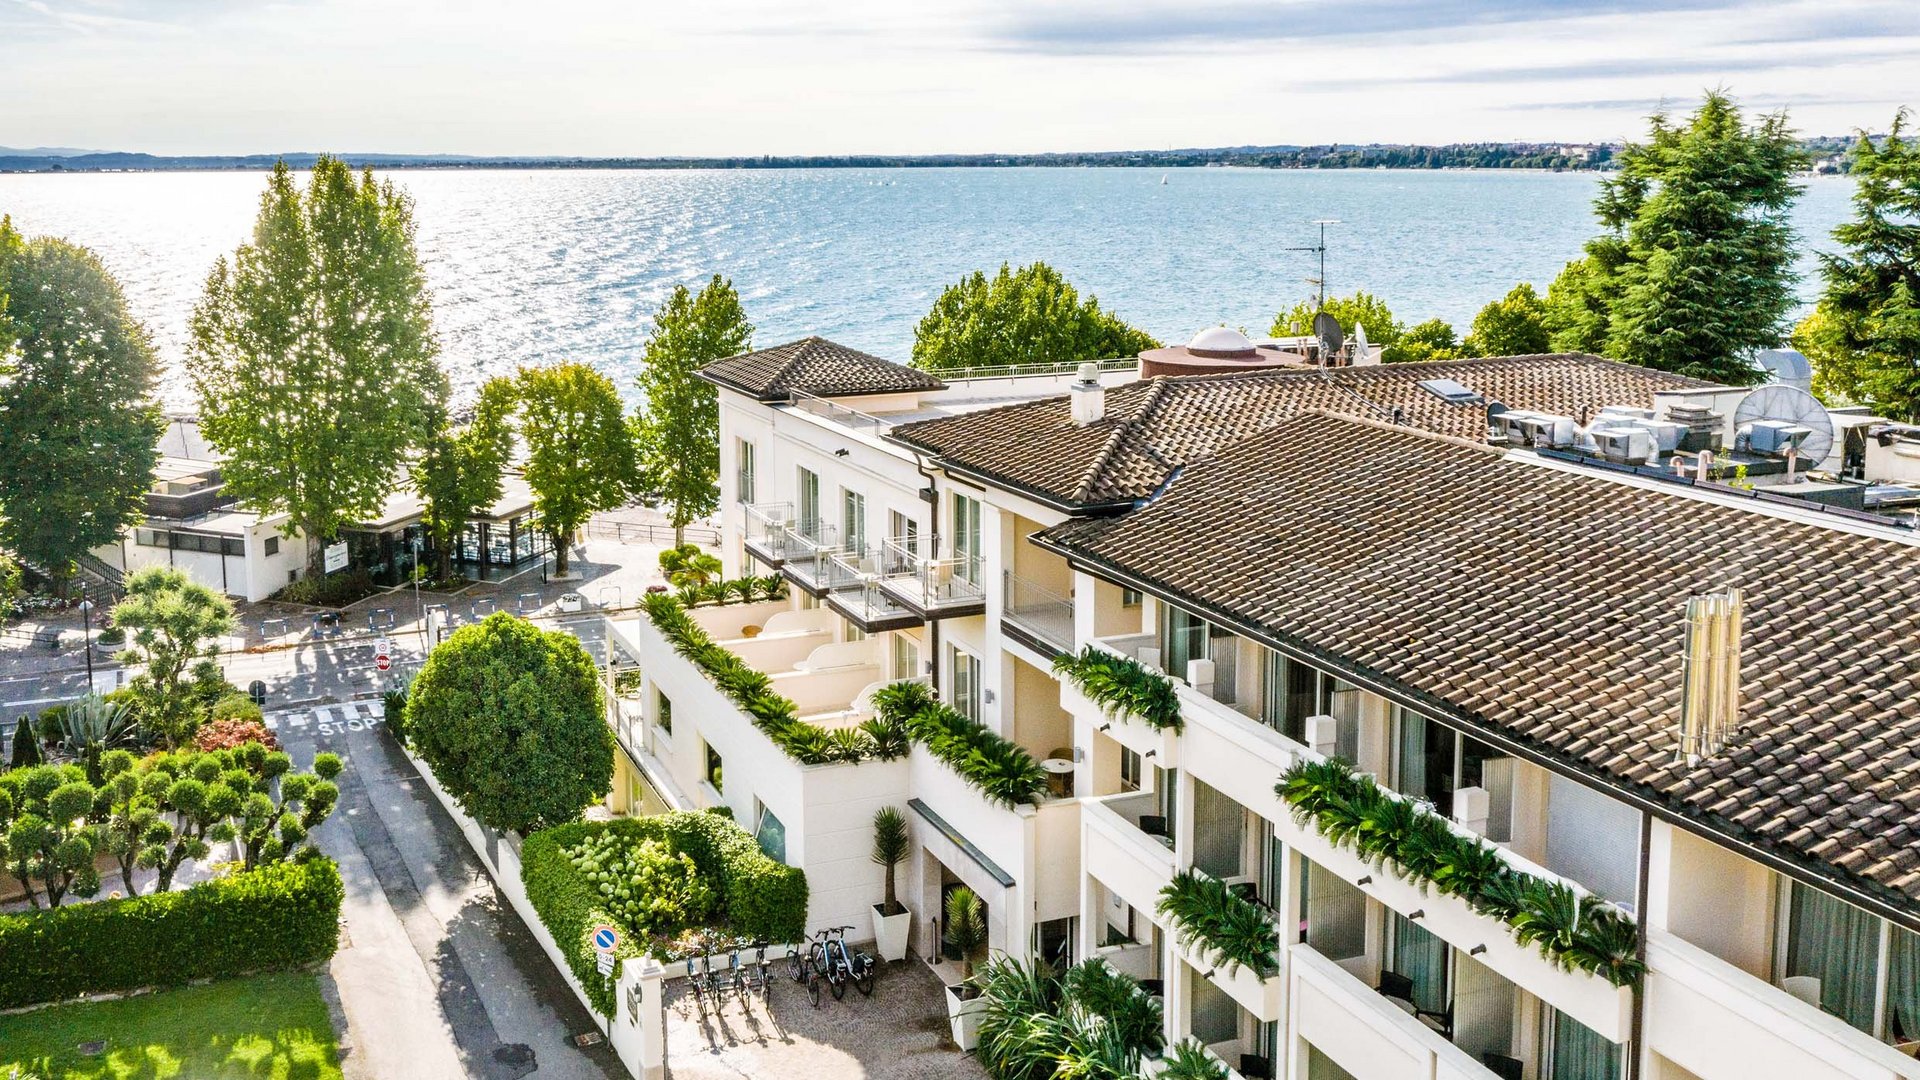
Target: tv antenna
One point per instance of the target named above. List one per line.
(1321, 250)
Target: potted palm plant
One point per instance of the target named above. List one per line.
(891, 919)
(966, 935)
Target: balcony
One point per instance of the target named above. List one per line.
(810, 547)
(855, 592)
(1365, 1033)
(1709, 1016)
(766, 531)
(1036, 616)
(931, 588)
(1132, 863)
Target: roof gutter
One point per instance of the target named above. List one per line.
(1438, 709)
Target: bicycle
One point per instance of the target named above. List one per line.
(855, 967)
(807, 964)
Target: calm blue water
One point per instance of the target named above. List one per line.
(531, 267)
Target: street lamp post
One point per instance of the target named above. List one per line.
(86, 634)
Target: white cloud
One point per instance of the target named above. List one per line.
(601, 77)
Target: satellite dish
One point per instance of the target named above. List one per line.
(1327, 329)
(1359, 342)
(1791, 405)
(1787, 366)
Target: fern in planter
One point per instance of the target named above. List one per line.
(1226, 929)
(1123, 687)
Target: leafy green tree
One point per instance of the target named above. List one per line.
(580, 457)
(677, 431)
(279, 808)
(1864, 337)
(1429, 341)
(1027, 316)
(1697, 260)
(81, 429)
(460, 469)
(1579, 302)
(1514, 325)
(511, 721)
(48, 837)
(1362, 309)
(172, 623)
(313, 352)
(134, 831)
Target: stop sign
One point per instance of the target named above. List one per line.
(382, 662)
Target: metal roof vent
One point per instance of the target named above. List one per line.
(1710, 675)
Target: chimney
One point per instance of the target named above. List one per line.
(1709, 675)
(1087, 396)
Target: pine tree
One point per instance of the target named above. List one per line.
(313, 352)
(1865, 335)
(1697, 262)
(677, 432)
(81, 430)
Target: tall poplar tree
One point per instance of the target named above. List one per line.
(81, 430)
(580, 456)
(1864, 337)
(677, 431)
(1695, 268)
(313, 352)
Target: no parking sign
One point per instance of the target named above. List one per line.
(605, 940)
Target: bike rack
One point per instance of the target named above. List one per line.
(326, 624)
(610, 597)
(528, 603)
(273, 628)
(484, 607)
(381, 618)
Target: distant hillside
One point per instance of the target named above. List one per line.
(1340, 156)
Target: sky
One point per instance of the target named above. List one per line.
(723, 77)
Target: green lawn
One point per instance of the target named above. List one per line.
(266, 1026)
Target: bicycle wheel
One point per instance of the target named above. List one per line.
(864, 983)
(838, 984)
(797, 965)
(813, 990)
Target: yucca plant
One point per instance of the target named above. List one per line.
(847, 744)
(741, 589)
(688, 595)
(1188, 1060)
(891, 844)
(1018, 1038)
(1134, 1013)
(966, 927)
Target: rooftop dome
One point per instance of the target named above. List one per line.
(1221, 342)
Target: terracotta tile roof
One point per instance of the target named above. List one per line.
(1546, 605)
(815, 366)
(1156, 425)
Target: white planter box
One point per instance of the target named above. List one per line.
(890, 933)
(965, 1016)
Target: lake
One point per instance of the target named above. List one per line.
(535, 266)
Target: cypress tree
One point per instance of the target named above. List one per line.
(26, 744)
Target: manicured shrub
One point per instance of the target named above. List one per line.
(393, 707)
(1000, 770)
(280, 915)
(740, 890)
(234, 707)
(511, 720)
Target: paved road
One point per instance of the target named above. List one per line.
(436, 975)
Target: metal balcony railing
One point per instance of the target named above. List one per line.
(810, 548)
(834, 412)
(767, 525)
(1039, 611)
(929, 584)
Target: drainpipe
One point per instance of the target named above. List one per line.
(933, 552)
(1637, 1024)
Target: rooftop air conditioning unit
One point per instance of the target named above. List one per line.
(1541, 429)
(1774, 436)
(1625, 445)
(1666, 434)
(1623, 412)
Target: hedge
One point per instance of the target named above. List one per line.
(761, 899)
(281, 915)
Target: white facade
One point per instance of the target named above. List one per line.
(1080, 874)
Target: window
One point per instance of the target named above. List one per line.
(809, 504)
(904, 532)
(966, 538)
(714, 776)
(1421, 958)
(853, 521)
(906, 657)
(743, 471)
(664, 715)
(1431, 761)
(1131, 597)
(1183, 638)
(1129, 770)
(772, 836)
(1577, 1052)
(152, 537)
(1859, 967)
(273, 545)
(853, 633)
(966, 683)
